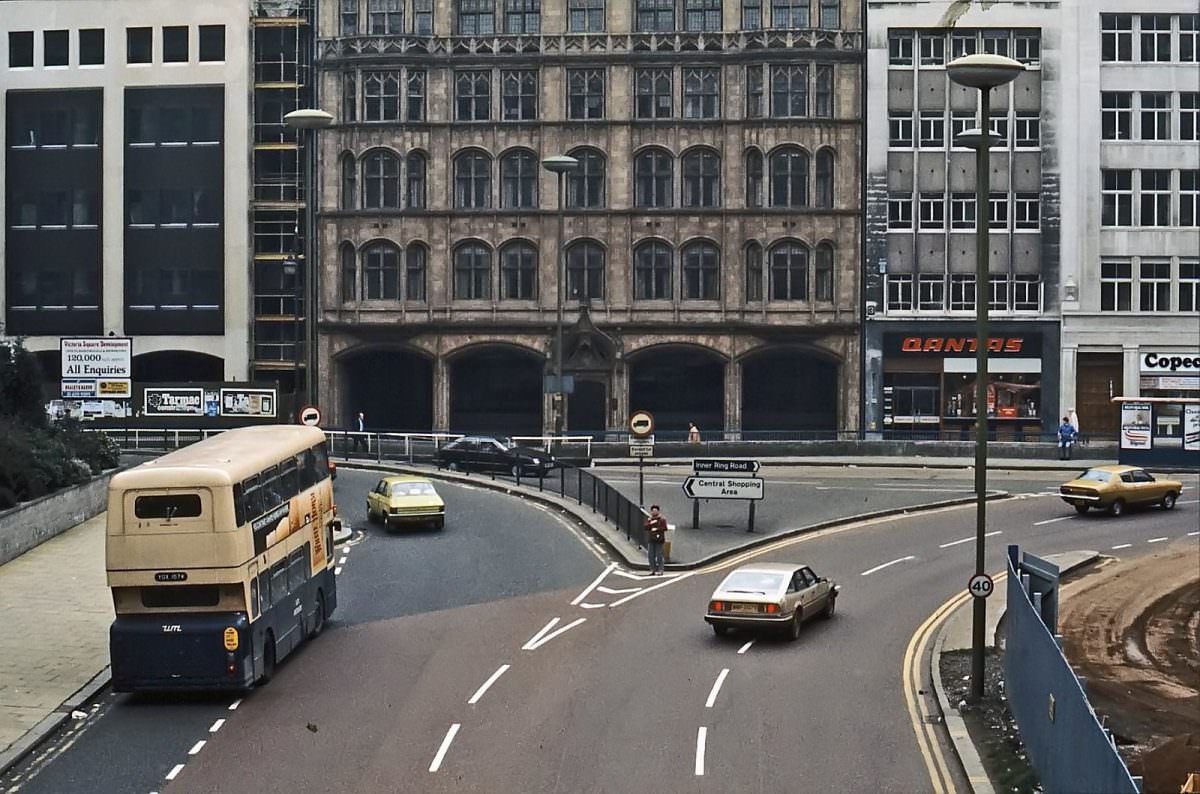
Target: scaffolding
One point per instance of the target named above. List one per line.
(283, 71)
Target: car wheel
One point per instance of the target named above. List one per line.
(1081, 509)
(719, 630)
(440, 524)
(830, 607)
(794, 626)
(1168, 500)
(1117, 508)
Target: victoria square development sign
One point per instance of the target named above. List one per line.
(96, 368)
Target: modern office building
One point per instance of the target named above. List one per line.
(1131, 195)
(126, 181)
(921, 217)
(711, 234)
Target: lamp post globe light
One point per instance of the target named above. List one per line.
(560, 165)
(983, 72)
(306, 121)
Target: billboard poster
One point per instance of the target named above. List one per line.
(1135, 425)
(98, 366)
(1191, 427)
(173, 402)
(248, 402)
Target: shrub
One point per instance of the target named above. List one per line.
(95, 449)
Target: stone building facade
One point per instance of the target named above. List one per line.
(710, 235)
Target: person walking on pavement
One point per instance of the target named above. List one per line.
(693, 433)
(1066, 437)
(360, 437)
(656, 536)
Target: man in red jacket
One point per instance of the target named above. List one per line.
(656, 536)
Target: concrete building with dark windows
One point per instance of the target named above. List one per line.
(921, 219)
(125, 181)
(711, 231)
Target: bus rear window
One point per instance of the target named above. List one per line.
(188, 595)
(168, 506)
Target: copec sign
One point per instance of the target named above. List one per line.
(1156, 363)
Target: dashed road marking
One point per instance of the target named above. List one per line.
(1121, 546)
(870, 571)
(968, 540)
(745, 647)
(441, 753)
(701, 739)
(1193, 534)
(1157, 540)
(1052, 521)
(586, 605)
(233, 706)
(216, 726)
(716, 688)
(197, 747)
(487, 684)
(617, 590)
(175, 770)
(534, 644)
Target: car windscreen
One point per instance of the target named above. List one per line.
(1095, 475)
(412, 489)
(764, 582)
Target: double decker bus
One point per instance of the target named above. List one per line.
(220, 559)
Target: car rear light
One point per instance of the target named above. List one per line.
(772, 609)
(717, 606)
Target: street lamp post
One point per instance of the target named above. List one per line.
(983, 72)
(306, 121)
(560, 165)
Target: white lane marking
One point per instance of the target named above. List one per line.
(618, 590)
(595, 583)
(337, 571)
(745, 647)
(870, 571)
(216, 726)
(342, 561)
(1193, 534)
(233, 706)
(716, 687)
(197, 747)
(541, 633)
(1188, 502)
(586, 605)
(175, 770)
(645, 590)
(441, 753)
(534, 646)
(1052, 520)
(968, 540)
(486, 684)
(701, 738)
(1121, 546)
(637, 578)
(1157, 540)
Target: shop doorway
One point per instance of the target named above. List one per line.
(587, 408)
(1099, 378)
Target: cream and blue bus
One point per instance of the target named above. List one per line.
(220, 559)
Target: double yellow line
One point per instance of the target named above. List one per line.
(923, 729)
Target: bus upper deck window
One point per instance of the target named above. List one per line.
(167, 506)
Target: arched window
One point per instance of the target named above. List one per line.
(754, 273)
(652, 271)
(789, 272)
(654, 175)
(349, 273)
(585, 271)
(701, 178)
(472, 180)
(824, 189)
(824, 273)
(381, 272)
(518, 271)
(382, 181)
(585, 185)
(415, 186)
(472, 272)
(701, 271)
(789, 177)
(349, 198)
(754, 178)
(415, 258)
(518, 180)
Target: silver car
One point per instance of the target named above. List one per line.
(771, 595)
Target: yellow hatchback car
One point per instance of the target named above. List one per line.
(406, 499)
(1113, 488)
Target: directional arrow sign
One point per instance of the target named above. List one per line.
(725, 466)
(702, 487)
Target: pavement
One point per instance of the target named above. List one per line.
(894, 462)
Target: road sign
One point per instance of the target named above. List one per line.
(640, 449)
(641, 424)
(310, 415)
(701, 487)
(981, 585)
(725, 466)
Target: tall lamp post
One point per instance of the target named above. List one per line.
(983, 72)
(306, 121)
(560, 165)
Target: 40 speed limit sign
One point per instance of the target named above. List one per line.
(981, 585)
